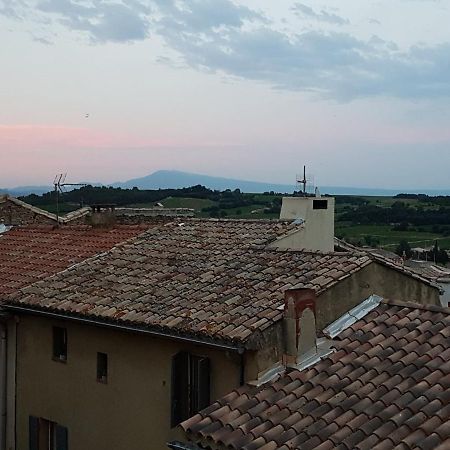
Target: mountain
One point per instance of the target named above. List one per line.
(166, 179)
(172, 179)
(26, 190)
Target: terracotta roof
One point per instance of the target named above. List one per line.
(430, 270)
(31, 253)
(208, 278)
(387, 386)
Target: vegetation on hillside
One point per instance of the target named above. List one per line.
(212, 203)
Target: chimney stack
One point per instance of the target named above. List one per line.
(299, 326)
(102, 216)
(316, 216)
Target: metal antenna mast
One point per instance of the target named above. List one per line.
(59, 184)
(304, 181)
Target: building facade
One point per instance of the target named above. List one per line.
(117, 350)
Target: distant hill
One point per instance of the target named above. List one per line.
(172, 179)
(25, 190)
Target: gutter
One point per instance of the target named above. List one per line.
(177, 445)
(128, 328)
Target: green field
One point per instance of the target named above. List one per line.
(187, 202)
(64, 208)
(388, 238)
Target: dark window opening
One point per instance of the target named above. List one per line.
(102, 367)
(59, 344)
(190, 385)
(47, 435)
(320, 204)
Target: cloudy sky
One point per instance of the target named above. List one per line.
(107, 90)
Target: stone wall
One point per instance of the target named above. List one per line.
(131, 216)
(12, 214)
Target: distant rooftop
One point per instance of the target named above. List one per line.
(63, 219)
(31, 253)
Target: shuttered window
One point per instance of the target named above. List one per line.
(47, 435)
(61, 438)
(59, 344)
(102, 367)
(34, 433)
(190, 385)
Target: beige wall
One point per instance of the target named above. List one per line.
(336, 301)
(131, 411)
(373, 279)
(318, 230)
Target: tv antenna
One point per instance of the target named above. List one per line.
(304, 180)
(59, 184)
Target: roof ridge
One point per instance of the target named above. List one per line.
(313, 252)
(66, 218)
(413, 305)
(214, 219)
(33, 208)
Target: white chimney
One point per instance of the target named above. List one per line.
(316, 215)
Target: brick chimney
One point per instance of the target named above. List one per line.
(299, 326)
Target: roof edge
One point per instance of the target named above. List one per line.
(413, 305)
(126, 326)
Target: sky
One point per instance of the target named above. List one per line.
(108, 90)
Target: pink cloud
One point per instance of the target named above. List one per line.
(46, 136)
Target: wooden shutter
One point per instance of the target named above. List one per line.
(200, 389)
(61, 435)
(180, 388)
(33, 431)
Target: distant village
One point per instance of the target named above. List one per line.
(154, 327)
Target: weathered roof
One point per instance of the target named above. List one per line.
(209, 278)
(383, 258)
(64, 219)
(387, 386)
(31, 253)
(430, 270)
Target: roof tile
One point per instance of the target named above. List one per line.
(394, 402)
(210, 278)
(31, 253)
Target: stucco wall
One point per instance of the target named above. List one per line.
(318, 229)
(332, 304)
(373, 279)
(131, 411)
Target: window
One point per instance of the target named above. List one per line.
(102, 367)
(320, 204)
(190, 385)
(47, 435)
(59, 344)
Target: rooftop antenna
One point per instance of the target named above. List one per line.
(304, 180)
(59, 184)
